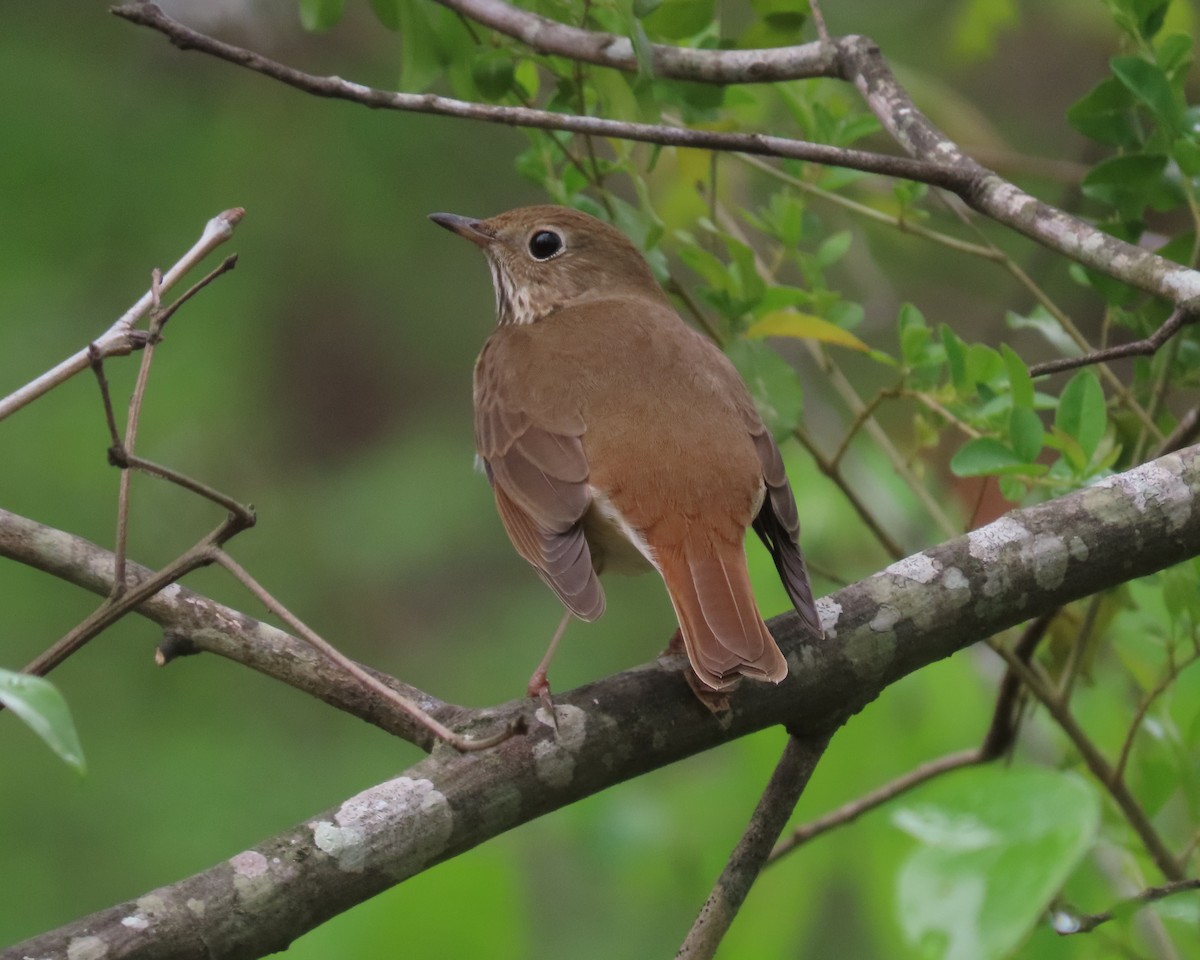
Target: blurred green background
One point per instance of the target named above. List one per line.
(328, 381)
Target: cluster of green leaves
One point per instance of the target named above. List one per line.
(991, 396)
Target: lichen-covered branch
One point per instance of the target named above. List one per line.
(918, 610)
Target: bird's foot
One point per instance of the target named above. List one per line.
(539, 689)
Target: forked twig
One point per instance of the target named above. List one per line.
(1180, 317)
(1067, 923)
(121, 339)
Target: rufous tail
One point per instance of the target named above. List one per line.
(723, 633)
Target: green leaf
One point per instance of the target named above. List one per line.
(984, 365)
(1045, 323)
(1106, 115)
(643, 50)
(1025, 429)
(421, 61)
(1020, 383)
(995, 846)
(643, 8)
(915, 335)
(773, 384)
(679, 19)
(956, 358)
(320, 14)
(986, 456)
(39, 704)
(803, 326)
(1130, 182)
(493, 72)
(1082, 413)
(1186, 153)
(1147, 82)
(387, 12)
(833, 248)
(1174, 54)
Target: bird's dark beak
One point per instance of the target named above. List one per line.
(467, 227)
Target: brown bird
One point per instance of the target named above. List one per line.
(616, 437)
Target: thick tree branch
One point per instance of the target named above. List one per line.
(193, 623)
(918, 610)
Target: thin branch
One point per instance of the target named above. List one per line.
(1139, 715)
(114, 608)
(331, 653)
(776, 804)
(149, 15)
(853, 809)
(834, 473)
(1100, 768)
(121, 339)
(1179, 318)
(679, 63)
(1066, 923)
(943, 163)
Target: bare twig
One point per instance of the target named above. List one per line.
(1135, 724)
(1182, 316)
(121, 338)
(1100, 768)
(116, 606)
(330, 652)
(787, 783)
(851, 811)
(1067, 923)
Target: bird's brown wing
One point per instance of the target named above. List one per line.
(778, 523)
(539, 475)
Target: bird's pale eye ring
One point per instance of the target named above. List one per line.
(545, 244)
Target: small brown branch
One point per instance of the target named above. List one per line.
(121, 339)
(1182, 316)
(852, 810)
(114, 608)
(1185, 432)
(331, 653)
(938, 174)
(126, 461)
(834, 473)
(1100, 768)
(814, 8)
(1067, 924)
(787, 783)
(1147, 701)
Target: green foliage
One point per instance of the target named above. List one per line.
(994, 847)
(42, 708)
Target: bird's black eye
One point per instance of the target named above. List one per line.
(545, 244)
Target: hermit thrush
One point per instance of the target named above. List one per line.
(616, 437)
